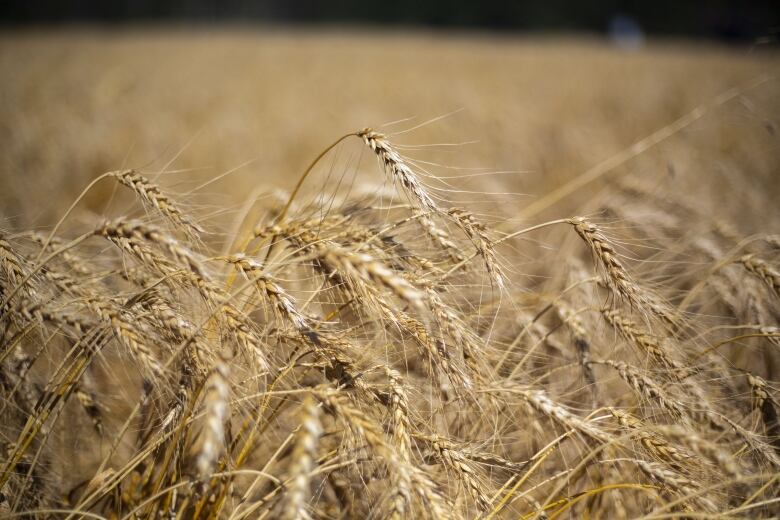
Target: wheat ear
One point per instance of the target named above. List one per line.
(151, 194)
(762, 270)
(216, 403)
(304, 457)
(393, 163)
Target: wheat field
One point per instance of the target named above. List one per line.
(253, 273)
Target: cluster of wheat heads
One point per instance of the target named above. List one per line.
(360, 360)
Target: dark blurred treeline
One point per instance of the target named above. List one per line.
(718, 19)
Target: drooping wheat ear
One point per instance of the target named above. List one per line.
(360, 274)
(399, 407)
(304, 460)
(655, 445)
(10, 263)
(12, 272)
(617, 278)
(428, 491)
(719, 422)
(581, 341)
(541, 402)
(450, 323)
(767, 273)
(393, 164)
(650, 344)
(663, 311)
(176, 325)
(433, 348)
(151, 194)
(382, 244)
(493, 461)
(65, 282)
(362, 270)
(441, 238)
(400, 496)
(216, 401)
(449, 454)
(477, 232)
(41, 404)
(74, 261)
(328, 225)
(129, 335)
(765, 404)
(340, 366)
(283, 303)
(645, 386)
(129, 235)
(407, 479)
(36, 310)
(674, 481)
(238, 325)
(704, 448)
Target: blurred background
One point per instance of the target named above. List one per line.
(533, 93)
(716, 19)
